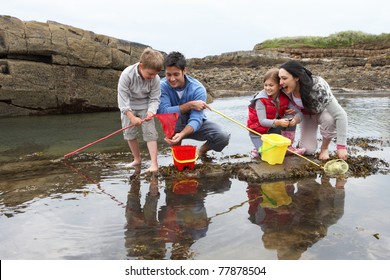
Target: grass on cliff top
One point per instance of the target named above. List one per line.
(344, 39)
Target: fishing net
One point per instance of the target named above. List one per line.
(168, 123)
(336, 167)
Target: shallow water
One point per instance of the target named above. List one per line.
(100, 209)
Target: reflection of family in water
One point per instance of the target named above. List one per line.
(167, 232)
(293, 217)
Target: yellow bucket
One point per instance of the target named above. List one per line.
(274, 195)
(274, 148)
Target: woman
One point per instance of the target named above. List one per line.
(267, 113)
(313, 96)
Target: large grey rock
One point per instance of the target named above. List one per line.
(55, 68)
(51, 68)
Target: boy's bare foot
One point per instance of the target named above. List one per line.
(137, 172)
(135, 163)
(152, 170)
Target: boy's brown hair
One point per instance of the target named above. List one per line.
(152, 59)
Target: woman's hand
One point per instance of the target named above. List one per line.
(290, 111)
(342, 153)
(293, 121)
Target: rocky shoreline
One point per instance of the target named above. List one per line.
(241, 73)
(38, 176)
(52, 68)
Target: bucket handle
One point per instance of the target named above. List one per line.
(185, 160)
(265, 150)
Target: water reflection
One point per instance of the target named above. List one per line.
(170, 231)
(46, 208)
(142, 235)
(184, 220)
(293, 217)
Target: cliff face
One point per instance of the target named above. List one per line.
(54, 68)
(242, 72)
(51, 68)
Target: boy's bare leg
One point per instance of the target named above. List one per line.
(133, 144)
(152, 147)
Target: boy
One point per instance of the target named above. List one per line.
(138, 100)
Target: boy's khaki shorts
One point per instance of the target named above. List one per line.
(149, 132)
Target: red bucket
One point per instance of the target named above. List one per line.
(185, 186)
(184, 156)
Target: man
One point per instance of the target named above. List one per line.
(185, 95)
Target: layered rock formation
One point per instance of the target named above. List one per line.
(51, 68)
(242, 72)
(54, 68)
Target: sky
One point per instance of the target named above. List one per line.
(199, 28)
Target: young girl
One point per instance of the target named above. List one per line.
(270, 111)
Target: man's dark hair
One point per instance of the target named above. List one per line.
(176, 59)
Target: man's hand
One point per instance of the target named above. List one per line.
(176, 139)
(198, 105)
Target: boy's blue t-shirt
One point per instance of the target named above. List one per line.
(170, 101)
